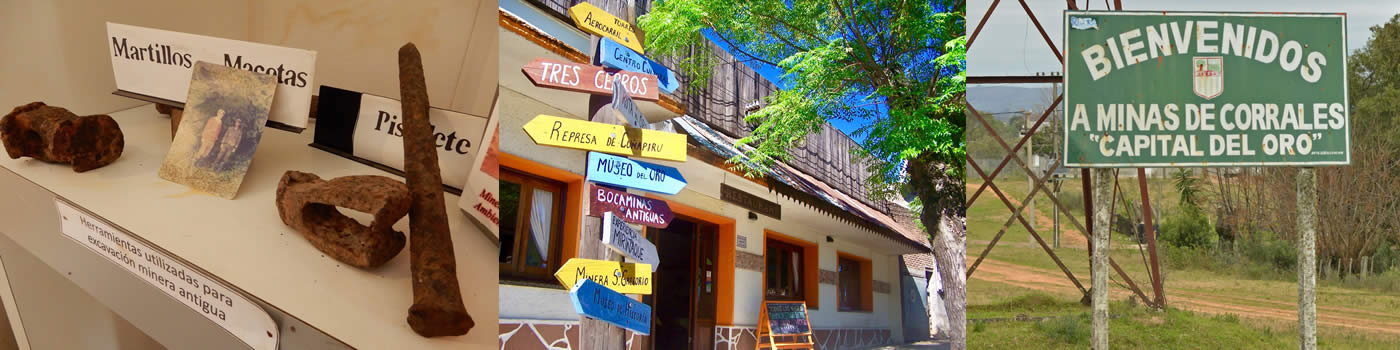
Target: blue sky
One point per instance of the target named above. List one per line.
(1010, 45)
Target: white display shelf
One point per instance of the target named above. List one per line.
(242, 241)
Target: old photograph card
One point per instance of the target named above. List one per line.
(223, 122)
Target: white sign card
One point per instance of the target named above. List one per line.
(205, 295)
(625, 240)
(481, 194)
(379, 136)
(157, 63)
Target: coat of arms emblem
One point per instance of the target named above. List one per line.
(1207, 76)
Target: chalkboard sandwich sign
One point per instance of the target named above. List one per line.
(786, 321)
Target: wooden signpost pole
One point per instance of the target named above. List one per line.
(1307, 259)
(595, 334)
(616, 88)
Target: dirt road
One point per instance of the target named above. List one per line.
(1054, 282)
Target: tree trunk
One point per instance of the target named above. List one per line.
(945, 216)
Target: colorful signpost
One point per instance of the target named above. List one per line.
(614, 55)
(597, 285)
(578, 77)
(597, 21)
(1173, 89)
(627, 278)
(627, 241)
(592, 300)
(585, 135)
(631, 208)
(620, 171)
(622, 103)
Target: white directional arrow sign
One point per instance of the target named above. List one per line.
(622, 103)
(627, 241)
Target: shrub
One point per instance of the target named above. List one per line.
(1386, 257)
(1227, 317)
(1073, 200)
(1066, 329)
(1387, 281)
(1279, 254)
(1188, 258)
(1188, 229)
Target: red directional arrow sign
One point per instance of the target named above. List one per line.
(631, 208)
(578, 77)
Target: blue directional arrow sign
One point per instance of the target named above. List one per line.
(593, 300)
(621, 171)
(613, 55)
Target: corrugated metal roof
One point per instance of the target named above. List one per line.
(802, 187)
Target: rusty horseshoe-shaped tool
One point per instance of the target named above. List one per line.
(437, 299)
(307, 203)
(55, 135)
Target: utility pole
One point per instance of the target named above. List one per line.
(1030, 176)
(1054, 116)
(1307, 259)
(1058, 182)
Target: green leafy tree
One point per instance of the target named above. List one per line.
(981, 145)
(1374, 91)
(1188, 189)
(1043, 142)
(907, 59)
(1374, 86)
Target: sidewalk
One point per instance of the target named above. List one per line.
(936, 344)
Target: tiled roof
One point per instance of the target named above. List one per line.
(916, 264)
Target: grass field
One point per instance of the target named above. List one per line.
(1137, 327)
(1207, 308)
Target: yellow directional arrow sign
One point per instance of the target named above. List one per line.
(625, 278)
(609, 138)
(597, 21)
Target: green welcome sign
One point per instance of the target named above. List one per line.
(1177, 89)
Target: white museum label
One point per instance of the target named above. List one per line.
(157, 63)
(203, 294)
(379, 136)
(481, 194)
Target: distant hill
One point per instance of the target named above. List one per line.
(1008, 98)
